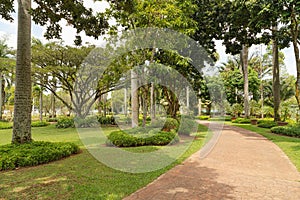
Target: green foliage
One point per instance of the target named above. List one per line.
(293, 131)
(187, 126)
(52, 120)
(237, 109)
(170, 124)
(30, 154)
(108, 120)
(226, 118)
(39, 124)
(204, 117)
(65, 122)
(266, 124)
(5, 125)
(123, 139)
(87, 122)
(242, 121)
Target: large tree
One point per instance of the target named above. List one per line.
(47, 12)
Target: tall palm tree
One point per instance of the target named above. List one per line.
(22, 106)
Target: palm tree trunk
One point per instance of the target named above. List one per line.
(276, 77)
(22, 104)
(134, 99)
(41, 104)
(244, 57)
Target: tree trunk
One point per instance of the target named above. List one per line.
(276, 78)
(22, 104)
(125, 102)
(53, 106)
(244, 58)
(134, 99)
(41, 104)
(295, 34)
(152, 102)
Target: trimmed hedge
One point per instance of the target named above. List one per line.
(227, 119)
(241, 121)
(30, 154)
(122, 139)
(39, 124)
(65, 122)
(293, 131)
(203, 117)
(187, 126)
(267, 124)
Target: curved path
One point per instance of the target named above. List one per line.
(242, 165)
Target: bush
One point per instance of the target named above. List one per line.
(122, 139)
(65, 122)
(228, 119)
(293, 131)
(267, 124)
(204, 117)
(52, 120)
(86, 122)
(6, 125)
(242, 121)
(187, 126)
(170, 124)
(39, 124)
(34, 153)
(108, 120)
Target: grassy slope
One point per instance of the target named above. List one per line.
(77, 177)
(289, 145)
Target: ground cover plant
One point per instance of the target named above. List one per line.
(293, 131)
(13, 156)
(241, 121)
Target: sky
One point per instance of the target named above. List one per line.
(9, 30)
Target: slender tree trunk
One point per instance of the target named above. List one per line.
(41, 104)
(187, 99)
(134, 99)
(22, 104)
(295, 34)
(276, 77)
(244, 56)
(152, 102)
(53, 114)
(125, 102)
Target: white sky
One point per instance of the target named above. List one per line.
(68, 35)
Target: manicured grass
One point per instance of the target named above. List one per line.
(80, 176)
(289, 145)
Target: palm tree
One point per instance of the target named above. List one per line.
(22, 106)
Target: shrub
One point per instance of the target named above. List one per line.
(34, 153)
(6, 125)
(39, 124)
(52, 120)
(108, 120)
(220, 119)
(267, 124)
(170, 124)
(204, 117)
(86, 122)
(242, 121)
(65, 122)
(187, 126)
(293, 131)
(122, 139)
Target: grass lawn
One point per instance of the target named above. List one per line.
(77, 177)
(289, 145)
